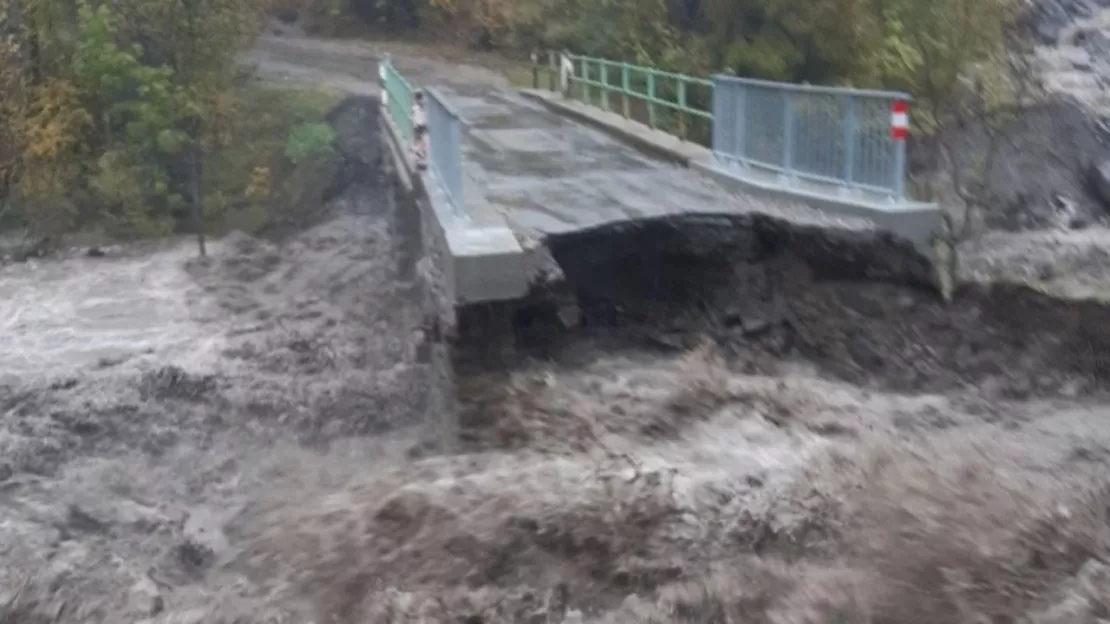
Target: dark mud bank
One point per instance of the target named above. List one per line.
(857, 307)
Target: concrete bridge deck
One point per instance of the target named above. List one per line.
(549, 174)
(531, 172)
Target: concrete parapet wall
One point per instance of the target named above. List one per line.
(433, 277)
(475, 252)
(916, 222)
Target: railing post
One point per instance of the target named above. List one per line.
(585, 81)
(740, 113)
(851, 136)
(552, 73)
(604, 79)
(723, 124)
(625, 88)
(383, 80)
(681, 108)
(899, 169)
(455, 157)
(788, 134)
(651, 98)
(566, 68)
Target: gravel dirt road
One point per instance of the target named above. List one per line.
(238, 440)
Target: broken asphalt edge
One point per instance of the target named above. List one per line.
(919, 223)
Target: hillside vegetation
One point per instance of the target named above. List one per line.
(112, 111)
(131, 117)
(919, 47)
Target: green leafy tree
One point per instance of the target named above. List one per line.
(140, 111)
(200, 38)
(966, 68)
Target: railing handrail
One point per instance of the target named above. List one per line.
(445, 129)
(860, 157)
(851, 138)
(434, 92)
(396, 86)
(816, 89)
(645, 69)
(660, 90)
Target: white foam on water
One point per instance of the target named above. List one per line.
(61, 315)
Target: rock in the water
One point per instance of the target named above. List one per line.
(1099, 179)
(1095, 42)
(1084, 599)
(145, 599)
(1050, 19)
(80, 520)
(204, 527)
(204, 538)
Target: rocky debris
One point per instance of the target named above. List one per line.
(80, 520)
(1085, 599)
(172, 382)
(1096, 42)
(1043, 173)
(1051, 17)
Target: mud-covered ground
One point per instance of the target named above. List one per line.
(738, 437)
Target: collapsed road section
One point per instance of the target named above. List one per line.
(839, 295)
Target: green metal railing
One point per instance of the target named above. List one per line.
(398, 98)
(677, 103)
(446, 129)
(850, 139)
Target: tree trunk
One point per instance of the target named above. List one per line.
(195, 202)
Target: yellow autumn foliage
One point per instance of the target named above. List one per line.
(260, 183)
(55, 123)
(12, 107)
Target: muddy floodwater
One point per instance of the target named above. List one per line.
(244, 439)
(748, 431)
(57, 317)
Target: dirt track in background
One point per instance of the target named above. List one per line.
(725, 440)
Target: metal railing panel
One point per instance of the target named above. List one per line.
(445, 133)
(670, 101)
(823, 134)
(445, 129)
(835, 136)
(398, 98)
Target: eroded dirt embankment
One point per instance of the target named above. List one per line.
(765, 425)
(856, 306)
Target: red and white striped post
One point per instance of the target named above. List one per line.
(899, 120)
(899, 131)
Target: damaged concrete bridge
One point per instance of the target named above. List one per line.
(598, 144)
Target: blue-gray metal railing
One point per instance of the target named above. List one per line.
(835, 136)
(445, 131)
(397, 93)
